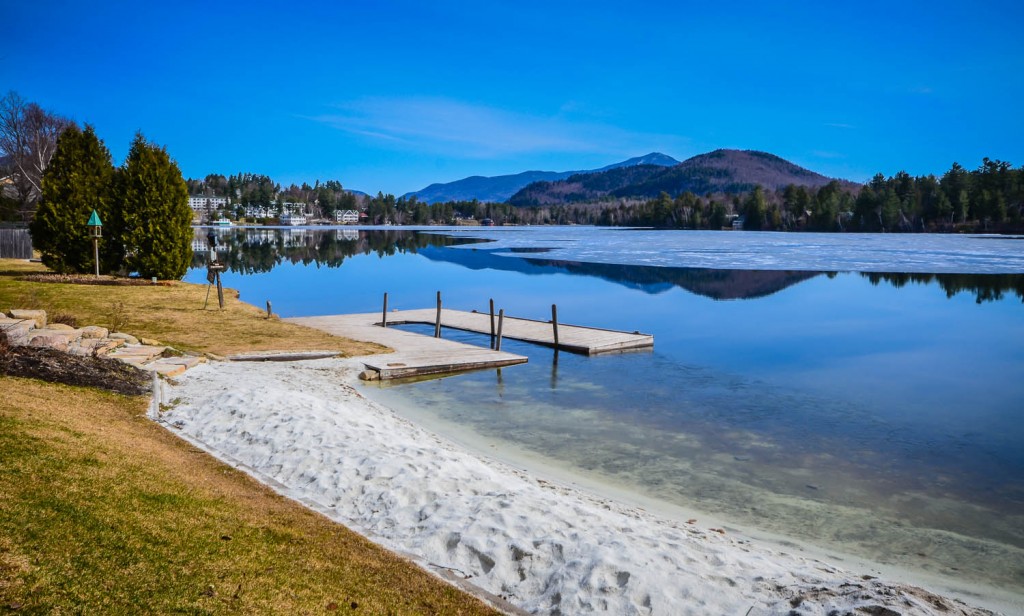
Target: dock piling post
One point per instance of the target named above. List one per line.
(501, 318)
(384, 313)
(437, 320)
(492, 322)
(554, 324)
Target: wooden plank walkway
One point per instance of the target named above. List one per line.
(415, 354)
(571, 338)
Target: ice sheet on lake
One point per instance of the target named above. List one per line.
(860, 252)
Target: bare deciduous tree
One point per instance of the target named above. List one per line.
(28, 138)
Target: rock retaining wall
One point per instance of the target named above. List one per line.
(29, 327)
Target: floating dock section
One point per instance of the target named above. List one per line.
(417, 354)
(571, 338)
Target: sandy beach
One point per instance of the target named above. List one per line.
(542, 545)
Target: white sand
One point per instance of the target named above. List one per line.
(545, 547)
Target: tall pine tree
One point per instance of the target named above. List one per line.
(77, 181)
(754, 210)
(153, 220)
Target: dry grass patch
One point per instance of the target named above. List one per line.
(171, 312)
(103, 511)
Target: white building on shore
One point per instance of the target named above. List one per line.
(293, 219)
(347, 217)
(200, 202)
(203, 207)
(258, 211)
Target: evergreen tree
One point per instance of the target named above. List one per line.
(826, 208)
(867, 208)
(754, 210)
(956, 184)
(153, 220)
(77, 181)
(790, 203)
(889, 213)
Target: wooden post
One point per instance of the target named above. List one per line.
(437, 320)
(554, 323)
(384, 313)
(492, 323)
(501, 319)
(96, 254)
(220, 292)
(269, 313)
(554, 372)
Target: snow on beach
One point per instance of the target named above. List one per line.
(544, 547)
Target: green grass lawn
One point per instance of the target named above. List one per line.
(170, 312)
(104, 512)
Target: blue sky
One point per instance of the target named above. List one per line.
(392, 96)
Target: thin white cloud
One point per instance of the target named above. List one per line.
(827, 154)
(454, 128)
(839, 125)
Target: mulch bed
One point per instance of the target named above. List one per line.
(59, 367)
(90, 279)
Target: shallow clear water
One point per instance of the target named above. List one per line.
(877, 414)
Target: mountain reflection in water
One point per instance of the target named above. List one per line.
(878, 413)
(259, 250)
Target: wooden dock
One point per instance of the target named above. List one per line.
(571, 338)
(415, 354)
(418, 354)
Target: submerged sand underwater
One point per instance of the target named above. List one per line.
(543, 545)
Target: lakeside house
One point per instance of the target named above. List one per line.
(259, 211)
(347, 217)
(289, 210)
(293, 218)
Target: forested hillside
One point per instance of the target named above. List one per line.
(500, 187)
(721, 171)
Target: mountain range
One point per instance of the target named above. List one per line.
(499, 188)
(720, 171)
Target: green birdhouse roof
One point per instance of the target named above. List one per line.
(94, 220)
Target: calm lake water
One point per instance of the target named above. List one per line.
(861, 392)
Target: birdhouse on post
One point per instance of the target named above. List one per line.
(95, 232)
(95, 226)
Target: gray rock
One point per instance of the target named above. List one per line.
(9, 325)
(55, 342)
(94, 346)
(71, 334)
(15, 336)
(94, 331)
(128, 338)
(39, 316)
